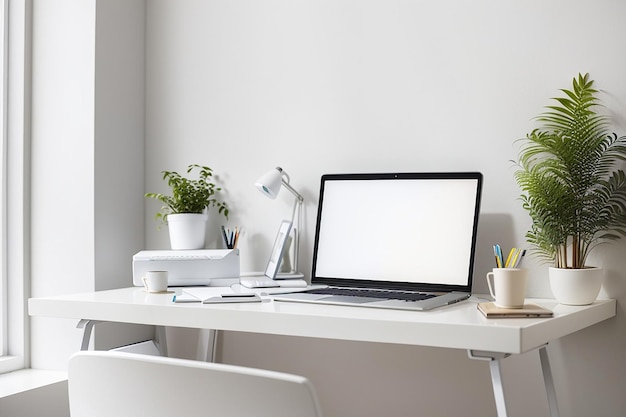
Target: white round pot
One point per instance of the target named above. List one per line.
(576, 287)
(187, 230)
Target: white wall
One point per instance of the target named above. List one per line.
(118, 154)
(87, 161)
(62, 175)
(369, 85)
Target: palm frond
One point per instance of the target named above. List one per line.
(571, 187)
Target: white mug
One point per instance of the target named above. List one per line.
(509, 286)
(155, 281)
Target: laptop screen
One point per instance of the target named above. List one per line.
(413, 231)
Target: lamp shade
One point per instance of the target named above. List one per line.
(269, 184)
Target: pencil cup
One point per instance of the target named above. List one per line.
(508, 287)
(155, 281)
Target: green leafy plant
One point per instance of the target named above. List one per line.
(568, 173)
(189, 196)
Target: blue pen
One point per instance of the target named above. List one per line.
(499, 256)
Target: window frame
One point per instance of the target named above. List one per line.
(14, 184)
(3, 118)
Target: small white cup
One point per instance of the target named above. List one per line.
(155, 281)
(509, 286)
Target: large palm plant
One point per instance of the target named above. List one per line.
(568, 173)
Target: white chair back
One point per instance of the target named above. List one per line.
(119, 384)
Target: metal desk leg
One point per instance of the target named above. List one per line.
(213, 352)
(548, 381)
(496, 376)
(87, 326)
(160, 340)
(498, 389)
(207, 345)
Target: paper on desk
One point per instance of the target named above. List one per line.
(183, 297)
(201, 293)
(198, 294)
(214, 295)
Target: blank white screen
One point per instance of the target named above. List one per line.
(408, 230)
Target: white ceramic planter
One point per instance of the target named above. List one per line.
(576, 286)
(187, 230)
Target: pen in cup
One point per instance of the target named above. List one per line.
(513, 259)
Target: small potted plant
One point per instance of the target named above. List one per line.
(573, 190)
(185, 210)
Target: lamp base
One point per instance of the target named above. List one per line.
(289, 275)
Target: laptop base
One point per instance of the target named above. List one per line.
(422, 305)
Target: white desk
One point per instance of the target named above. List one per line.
(460, 326)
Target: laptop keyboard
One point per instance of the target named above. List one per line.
(392, 295)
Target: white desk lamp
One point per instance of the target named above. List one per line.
(269, 185)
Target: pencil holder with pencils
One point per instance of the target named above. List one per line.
(231, 237)
(513, 260)
(507, 282)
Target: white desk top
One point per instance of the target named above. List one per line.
(459, 326)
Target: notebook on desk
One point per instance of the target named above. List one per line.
(394, 240)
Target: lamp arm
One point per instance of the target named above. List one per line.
(297, 205)
(294, 192)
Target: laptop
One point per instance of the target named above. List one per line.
(394, 240)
